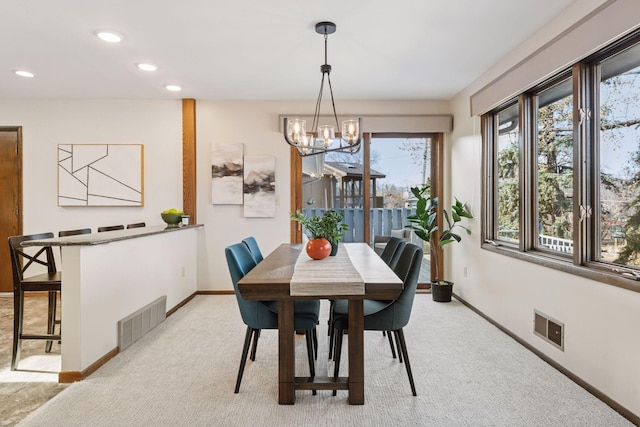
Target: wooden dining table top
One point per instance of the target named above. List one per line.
(271, 278)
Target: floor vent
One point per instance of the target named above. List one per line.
(549, 329)
(135, 325)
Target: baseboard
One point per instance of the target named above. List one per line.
(634, 418)
(224, 292)
(73, 376)
(181, 304)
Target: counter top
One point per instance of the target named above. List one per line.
(107, 236)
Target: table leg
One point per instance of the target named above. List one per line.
(286, 353)
(356, 352)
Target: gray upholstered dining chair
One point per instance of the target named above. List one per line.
(390, 255)
(386, 315)
(254, 249)
(257, 315)
(25, 279)
(392, 251)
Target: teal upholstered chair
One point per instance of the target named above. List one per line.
(386, 315)
(252, 244)
(257, 315)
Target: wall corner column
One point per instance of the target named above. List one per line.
(189, 158)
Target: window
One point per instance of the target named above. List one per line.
(562, 170)
(508, 175)
(554, 170)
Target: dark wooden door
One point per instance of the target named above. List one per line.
(10, 198)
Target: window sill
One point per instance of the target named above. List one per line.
(562, 264)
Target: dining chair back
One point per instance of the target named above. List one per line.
(254, 249)
(392, 251)
(257, 315)
(110, 228)
(390, 316)
(27, 277)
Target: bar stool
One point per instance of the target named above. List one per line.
(110, 228)
(44, 282)
(65, 233)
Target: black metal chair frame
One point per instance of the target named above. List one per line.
(49, 282)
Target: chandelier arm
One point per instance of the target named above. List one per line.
(311, 151)
(316, 114)
(333, 105)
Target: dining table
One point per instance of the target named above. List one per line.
(356, 273)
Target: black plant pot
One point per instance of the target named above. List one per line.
(334, 249)
(441, 290)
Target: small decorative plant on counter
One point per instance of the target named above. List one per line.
(324, 232)
(172, 217)
(425, 225)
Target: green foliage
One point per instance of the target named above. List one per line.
(424, 222)
(329, 226)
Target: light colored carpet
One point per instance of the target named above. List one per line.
(467, 373)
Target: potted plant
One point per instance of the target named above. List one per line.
(425, 225)
(329, 227)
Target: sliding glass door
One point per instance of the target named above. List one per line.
(371, 188)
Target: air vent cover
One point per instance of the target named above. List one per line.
(548, 329)
(135, 325)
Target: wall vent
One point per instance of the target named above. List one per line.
(548, 329)
(135, 325)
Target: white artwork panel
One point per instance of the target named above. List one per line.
(100, 174)
(226, 174)
(259, 186)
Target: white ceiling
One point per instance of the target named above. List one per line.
(259, 49)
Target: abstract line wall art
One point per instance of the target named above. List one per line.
(259, 186)
(226, 174)
(100, 175)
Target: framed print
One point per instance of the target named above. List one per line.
(100, 175)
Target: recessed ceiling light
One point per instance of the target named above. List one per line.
(147, 67)
(109, 36)
(173, 88)
(24, 73)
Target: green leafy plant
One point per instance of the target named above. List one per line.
(425, 224)
(328, 226)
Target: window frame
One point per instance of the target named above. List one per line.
(585, 77)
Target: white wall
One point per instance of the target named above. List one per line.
(256, 125)
(601, 321)
(46, 123)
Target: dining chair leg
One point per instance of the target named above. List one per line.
(243, 358)
(332, 341)
(393, 347)
(314, 335)
(339, 333)
(18, 312)
(403, 347)
(400, 356)
(51, 319)
(256, 335)
(310, 352)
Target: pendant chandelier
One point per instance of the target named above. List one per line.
(323, 138)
